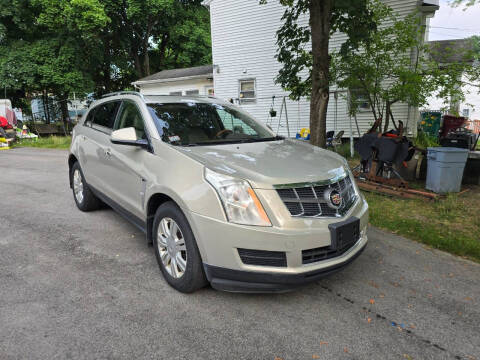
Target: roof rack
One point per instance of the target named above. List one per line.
(123, 93)
(183, 96)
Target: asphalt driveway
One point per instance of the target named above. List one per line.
(79, 285)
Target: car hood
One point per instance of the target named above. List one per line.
(265, 164)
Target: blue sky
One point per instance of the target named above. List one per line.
(454, 23)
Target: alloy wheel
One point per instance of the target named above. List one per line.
(78, 186)
(171, 247)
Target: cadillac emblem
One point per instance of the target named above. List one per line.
(334, 198)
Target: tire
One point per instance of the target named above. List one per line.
(182, 264)
(85, 199)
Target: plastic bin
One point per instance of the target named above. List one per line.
(445, 169)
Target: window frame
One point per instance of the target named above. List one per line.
(88, 123)
(208, 88)
(95, 126)
(359, 101)
(175, 93)
(243, 100)
(197, 92)
(117, 118)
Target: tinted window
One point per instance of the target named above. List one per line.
(105, 114)
(192, 123)
(89, 119)
(130, 116)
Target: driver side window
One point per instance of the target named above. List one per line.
(130, 116)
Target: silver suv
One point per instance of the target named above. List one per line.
(221, 198)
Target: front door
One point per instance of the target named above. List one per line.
(127, 173)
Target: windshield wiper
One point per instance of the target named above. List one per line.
(233, 141)
(261, 139)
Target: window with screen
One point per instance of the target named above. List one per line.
(104, 114)
(191, 92)
(176, 93)
(130, 116)
(359, 99)
(247, 91)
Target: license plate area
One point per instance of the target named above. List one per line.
(344, 234)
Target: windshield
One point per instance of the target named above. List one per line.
(192, 123)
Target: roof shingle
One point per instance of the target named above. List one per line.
(180, 73)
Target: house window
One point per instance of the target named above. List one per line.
(209, 90)
(176, 93)
(247, 91)
(359, 99)
(191, 92)
(466, 113)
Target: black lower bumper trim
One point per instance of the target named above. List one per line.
(263, 282)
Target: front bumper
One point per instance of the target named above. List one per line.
(264, 282)
(219, 241)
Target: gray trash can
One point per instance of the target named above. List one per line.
(445, 168)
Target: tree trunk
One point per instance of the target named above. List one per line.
(320, 22)
(46, 110)
(146, 63)
(162, 48)
(65, 115)
(138, 65)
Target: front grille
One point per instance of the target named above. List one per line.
(326, 252)
(263, 257)
(312, 200)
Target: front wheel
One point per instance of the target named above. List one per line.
(176, 249)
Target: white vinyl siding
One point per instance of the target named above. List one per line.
(244, 47)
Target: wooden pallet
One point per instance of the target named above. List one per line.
(403, 192)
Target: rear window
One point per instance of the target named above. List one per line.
(104, 114)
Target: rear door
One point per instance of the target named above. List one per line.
(96, 144)
(127, 174)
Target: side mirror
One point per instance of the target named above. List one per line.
(128, 136)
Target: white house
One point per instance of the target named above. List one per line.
(244, 68)
(244, 48)
(189, 81)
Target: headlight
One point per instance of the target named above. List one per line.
(352, 178)
(239, 200)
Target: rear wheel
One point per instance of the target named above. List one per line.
(176, 249)
(84, 197)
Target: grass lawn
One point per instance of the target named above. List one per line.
(51, 142)
(451, 224)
